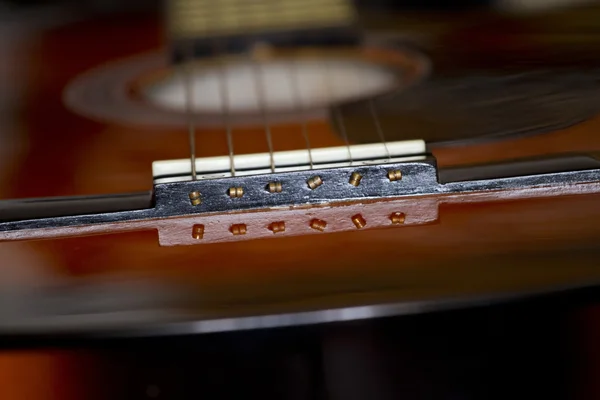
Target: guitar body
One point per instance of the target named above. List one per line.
(472, 251)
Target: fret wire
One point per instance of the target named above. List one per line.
(261, 98)
(337, 114)
(378, 127)
(189, 94)
(300, 105)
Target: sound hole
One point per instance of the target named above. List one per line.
(287, 85)
(143, 90)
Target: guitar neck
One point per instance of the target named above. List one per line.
(200, 28)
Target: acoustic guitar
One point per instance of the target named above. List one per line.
(242, 168)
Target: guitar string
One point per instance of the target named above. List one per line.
(225, 107)
(375, 117)
(221, 50)
(189, 103)
(255, 53)
(259, 86)
(337, 115)
(339, 118)
(263, 105)
(376, 122)
(299, 104)
(378, 128)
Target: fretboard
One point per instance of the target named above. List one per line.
(200, 28)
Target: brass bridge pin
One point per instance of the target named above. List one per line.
(318, 225)
(198, 232)
(274, 187)
(394, 175)
(236, 192)
(398, 218)
(277, 227)
(238, 229)
(195, 198)
(314, 182)
(359, 221)
(355, 179)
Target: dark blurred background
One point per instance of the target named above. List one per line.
(539, 347)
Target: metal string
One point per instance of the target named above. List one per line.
(221, 49)
(300, 105)
(261, 97)
(189, 102)
(225, 100)
(225, 107)
(378, 128)
(337, 113)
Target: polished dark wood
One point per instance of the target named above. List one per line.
(514, 245)
(88, 157)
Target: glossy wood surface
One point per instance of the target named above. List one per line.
(88, 157)
(473, 249)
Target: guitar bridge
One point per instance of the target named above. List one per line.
(299, 193)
